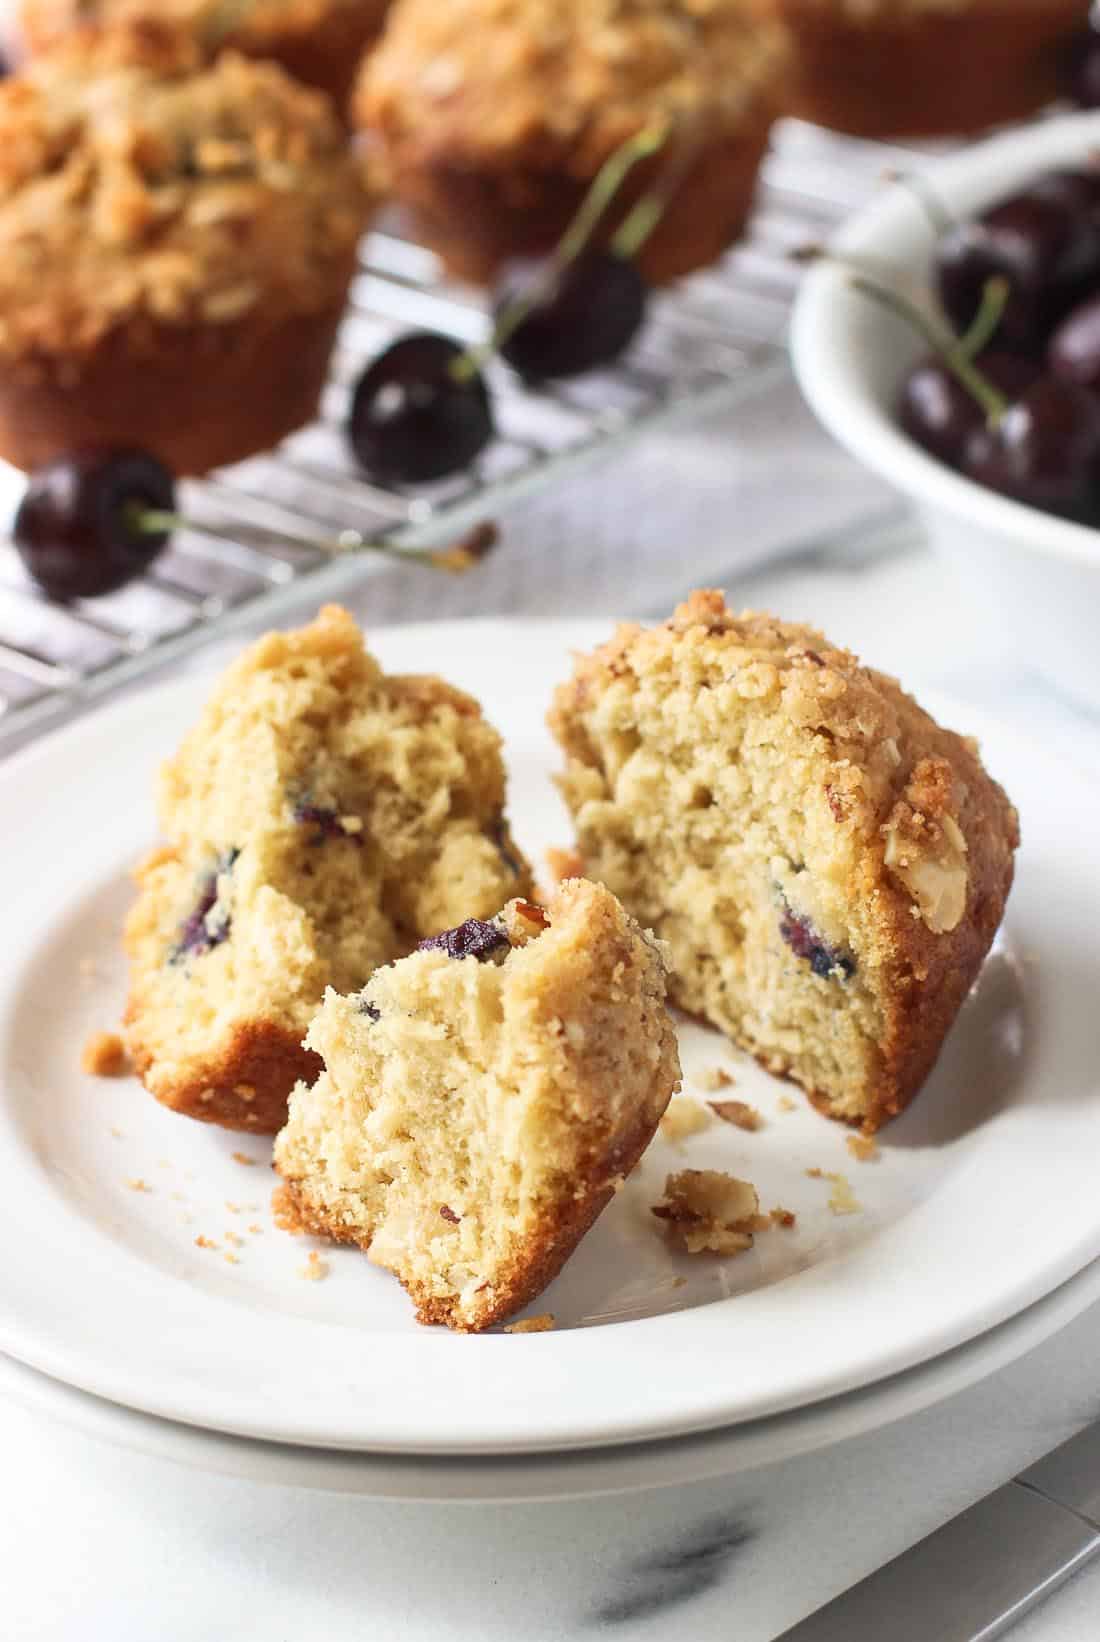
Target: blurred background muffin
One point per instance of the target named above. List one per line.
(892, 68)
(319, 42)
(488, 119)
(176, 243)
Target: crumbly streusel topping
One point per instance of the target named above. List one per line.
(895, 775)
(494, 76)
(137, 181)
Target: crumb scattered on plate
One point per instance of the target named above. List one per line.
(737, 1112)
(315, 1269)
(782, 1217)
(139, 1185)
(119, 1134)
(712, 1078)
(243, 1159)
(863, 1147)
(231, 1258)
(684, 1117)
(234, 1208)
(202, 1242)
(255, 1230)
(104, 1056)
(842, 1200)
(786, 1104)
(704, 1209)
(531, 1325)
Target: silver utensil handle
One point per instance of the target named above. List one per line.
(977, 1575)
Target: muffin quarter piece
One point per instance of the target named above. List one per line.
(322, 817)
(482, 1100)
(176, 243)
(319, 42)
(827, 865)
(488, 119)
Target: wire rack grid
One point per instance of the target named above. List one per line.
(716, 339)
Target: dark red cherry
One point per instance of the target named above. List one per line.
(1078, 189)
(1046, 248)
(587, 316)
(942, 416)
(1044, 450)
(1081, 70)
(413, 417)
(78, 530)
(1074, 350)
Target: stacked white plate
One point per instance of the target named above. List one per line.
(147, 1293)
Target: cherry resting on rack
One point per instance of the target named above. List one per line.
(92, 520)
(76, 529)
(577, 317)
(419, 411)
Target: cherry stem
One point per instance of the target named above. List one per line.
(939, 217)
(982, 328)
(645, 217)
(606, 184)
(455, 560)
(941, 342)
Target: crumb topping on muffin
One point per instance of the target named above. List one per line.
(138, 182)
(549, 76)
(827, 864)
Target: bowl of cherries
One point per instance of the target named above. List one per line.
(949, 337)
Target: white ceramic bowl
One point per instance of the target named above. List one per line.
(1036, 577)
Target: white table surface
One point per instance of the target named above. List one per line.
(101, 1545)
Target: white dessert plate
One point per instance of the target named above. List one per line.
(143, 1264)
(580, 1473)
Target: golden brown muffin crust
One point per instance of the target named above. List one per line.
(507, 77)
(317, 41)
(925, 835)
(142, 188)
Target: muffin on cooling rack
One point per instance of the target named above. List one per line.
(321, 818)
(319, 42)
(886, 68)
(488, 119)
(827, 865)
(482, 1100)
(176, 243)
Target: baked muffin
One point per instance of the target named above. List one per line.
(319, 42)
(321, 818)
(176, 244)
(893, 68)
(826, 864)
(482, 1101)
(489, 119)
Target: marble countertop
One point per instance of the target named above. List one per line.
(103, 1545)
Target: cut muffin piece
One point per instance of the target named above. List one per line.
(322, 818)
(482, 1100)
(827, 865)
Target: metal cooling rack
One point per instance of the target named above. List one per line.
(715, 340)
